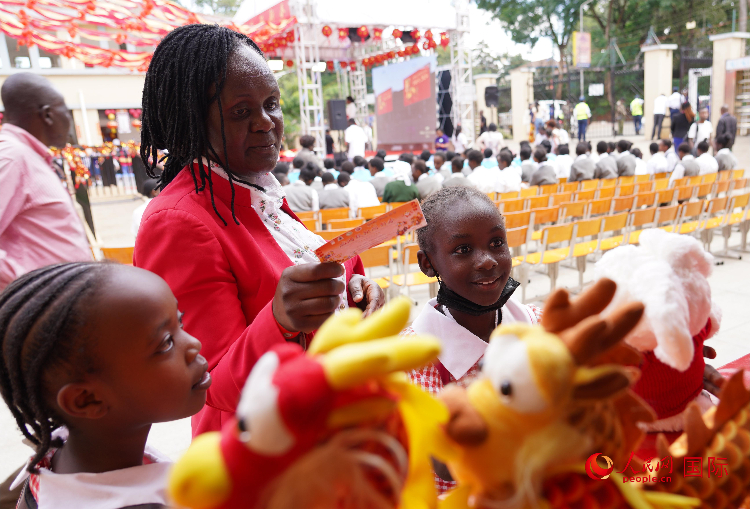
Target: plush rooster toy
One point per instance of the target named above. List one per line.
(668, 273)
(338, 425)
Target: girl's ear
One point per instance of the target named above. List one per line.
(80, 400)
(425, 265)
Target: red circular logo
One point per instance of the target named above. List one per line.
(595, 471)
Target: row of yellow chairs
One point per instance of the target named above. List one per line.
(316, 220)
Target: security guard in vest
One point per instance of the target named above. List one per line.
(582, 113)
(636, 109)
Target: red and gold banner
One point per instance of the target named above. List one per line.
(417, 86)
(385, 102)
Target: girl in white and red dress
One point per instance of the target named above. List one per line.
(464, 246)
(92, 354)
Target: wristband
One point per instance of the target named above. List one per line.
(285, 332)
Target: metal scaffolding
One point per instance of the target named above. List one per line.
(462, 81)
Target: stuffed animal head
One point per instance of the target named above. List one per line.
(668, 273)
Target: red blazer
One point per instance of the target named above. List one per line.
(224, 278)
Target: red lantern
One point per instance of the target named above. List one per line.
(444, 40)
(282, 42)
(343, 33)
(426, 45)
(432, 44)
(414, 49)
(352, 65)
(327, 31)
(290, 63)
(363, 32)
(136, 123)
(290, 37)
(112, 124)
(400, 53)
(329, 65)
(343, 64)
(377, 33)
(391, 54)
(397, 33)
(415, 34)
(428, 34)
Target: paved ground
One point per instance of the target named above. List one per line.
(730, 286)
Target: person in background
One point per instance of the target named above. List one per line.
(150, 190)
(582, 168)
(563, 162)
(488, 161)
(425, 156)
(297, 164)
(442, 171)
(361, 173)
(482, 123)
(528, 166)
(361, 194)
(687, 167)
(401, 168)
(724, 156)
(545, 173)
(441, 141)
(317, 183)
(379, 179)
(329, 165)
(300, 196)
(702, 130)
(551, 157)
(282, 178)
(356, 139)
(658, 162)
(282, 168)
(706, 161)
(351, 108)
(625, 160)
(681, 124)
(620, 114)
(674, 102)
(671, 155)
(329, 143)
(484, 177)
(332, 196)
(457, 177)
(606, 167)
(509, 179)
(400, 189)
(727, 125)
(559, 135)
(381, 154)
(307, 142)
(459, 141)
(660, 109)
(491, 139)
(426, 183)
(474, 160)
(640, 165)
(636, 110)
(38, 221)
(582, 113)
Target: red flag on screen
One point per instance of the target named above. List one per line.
(385, 102)
(417, 86)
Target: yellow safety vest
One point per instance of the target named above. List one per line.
(581, 111)
(636, 107)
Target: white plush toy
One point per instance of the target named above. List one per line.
(668, 274)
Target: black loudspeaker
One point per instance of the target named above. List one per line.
(407, 38)
(491, 96)
(445, 103)
(337, 115)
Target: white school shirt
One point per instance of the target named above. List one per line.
(660, 105)
(137, 216)
(640, 167)
(679, 170)
(708, 164)
(562, 165)
(485, 179)
(356, 138)
(700, 131)
(675, 101)
(657, 164)
(491, 140)
(459, 143)
(508, 180)
(361, 194)
(672, 159)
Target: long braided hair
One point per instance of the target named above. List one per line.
(41, 319)
(186, 64)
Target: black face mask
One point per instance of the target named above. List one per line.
(450, 299)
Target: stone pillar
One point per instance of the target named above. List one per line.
(521, 95)
(726, 47)
(481, 82)
(657, 78)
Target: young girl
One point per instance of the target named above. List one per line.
(464, 246)
(91, 355)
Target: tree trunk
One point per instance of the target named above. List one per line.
(560, 71)
(743, 15)
(607, 78)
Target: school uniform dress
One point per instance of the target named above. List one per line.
(399, 191)
(225, 276)
(461, 350)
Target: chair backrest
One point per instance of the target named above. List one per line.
(545, 215)
(739, 183)
(608, 192)
(692, 209)
(409, 255)
(704, 189)
(588, 228)
(537, 202)
(508, 196)
(694, 180)
(345, 224)
(709, 178)
(341, 213)
(563, 180)
(306, 215)
(514, 205)
(740, 201)
(680, 182)
(394, 205)
(602, 206)
(492, 195)
(665, 196)
(660, 184)
(684, 192)
(623, 204)
(642, 178)
(725, 175)
(573, 210)
(569, 186)
(738, 174)
(721, 187)
(559, 198)
(516, 236)
(615, 222)
(648, 199)
(717, 205)
(668, 213)
(630, 179)
(625, 189)
(369, 213)
(589, 185)
(548, 189)
(642, 217)
(557, 233)
(662, 175)
(644, 186)
(121, 255)
(331, 234)
(585, 195)
(530, 192)
(310, 224)
(378, 256)
(608, 183)
(517, 219)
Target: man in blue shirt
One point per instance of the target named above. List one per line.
(441, 141)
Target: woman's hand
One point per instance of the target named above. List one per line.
(712, 379)
(366, 293)
(307, 295)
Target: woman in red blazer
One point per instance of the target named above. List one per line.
(221, 234)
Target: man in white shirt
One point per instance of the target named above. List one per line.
(563, 161)
(150, 190)
(658, 162)
(660, 109)
(509, 179)
(675, 102)
(665, 146)
(351, 108)
(485, 179)
(361, 194)
(490, 139)
(356, 138)
(702, 130)
(706, 161)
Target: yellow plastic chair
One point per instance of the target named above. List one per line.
(560, 198)
(725, 175)
(678, 183)
(552, 257)
(737, 215)
(307, 215)
(738, 174)
(492, 195)
(345, 224)
(310, 224)
(410, 279)
(543, 216)
(703, 190)
(585, 196)
(709, 178)
(661, 184)
(715, 216)
(563, 180)
(569, 187)
(608, 192)
(608, 183)
(394, 205)
(341, 213)
(369, 213)
(121, 255)
(738, 184)
(665, 196)
(624, 190)
(599, 207)
(613, 223)
(694, 180)
(589, 185)
(517, 238)
(548, 189)
(537, 202)
(639, 221)
(621, 204)
(530, 192)
(513, 205)
(667, 217)
(720, 187)
(644, 186)
(508, 196)
(379, 256)
(517, 219)
(570, 210)
(691, 211)
(660, 176)
(581, 250)
(642, 178)
(626, 180)
(646, 199)
(684, 192)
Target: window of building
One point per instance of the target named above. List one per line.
(19, 55)
(48, 60)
